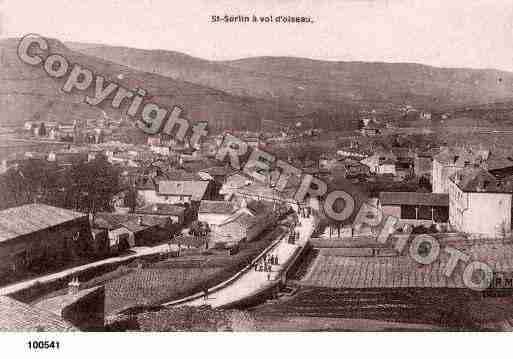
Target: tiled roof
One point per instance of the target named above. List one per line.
(195, 189)
(217, 207)
(396, 271)
(162, 209)
(414, 198)
(218, 171)
(497, 163)
(480, 180)
(22, 220)
(260, 207)
(114, 220)
(18, 316)
(254, 212)
(460, 157)
(182, 175)
(147, 222)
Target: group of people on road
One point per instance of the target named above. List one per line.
(305, 212)
(266, 263)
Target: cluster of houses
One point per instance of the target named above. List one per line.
(89, 131)
(471, 193)
(33, 235)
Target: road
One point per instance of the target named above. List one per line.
(252, 282)
(137, 252)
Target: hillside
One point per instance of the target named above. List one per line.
(27, 92)
(334, 86)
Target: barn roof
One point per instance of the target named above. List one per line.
(195, 189)
(29, 218)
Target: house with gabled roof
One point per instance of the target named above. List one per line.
(475, 194)
(246, 223)
(215, 212)
(174, 192)
(36, 234)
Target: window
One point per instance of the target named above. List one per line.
(408, 212)
(441, 214)
(424, 212)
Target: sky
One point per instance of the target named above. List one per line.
(448, 33)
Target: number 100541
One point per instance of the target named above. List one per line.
(43, 344)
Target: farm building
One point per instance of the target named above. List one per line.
(414, 207)
(215, 212)
(128, 230)
(246, 223)
(34, 235)
(164, 210)
(174, 192)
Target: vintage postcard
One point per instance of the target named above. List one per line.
(255, 166)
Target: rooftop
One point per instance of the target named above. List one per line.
(480, 180)
(195, 189)
(29, 218)
(18, 316)
(112, 221)
(362, 270)
(217, 207)
(161, 209)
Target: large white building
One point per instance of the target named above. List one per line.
(450, 161)
(479, 203)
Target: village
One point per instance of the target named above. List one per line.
(98, 223)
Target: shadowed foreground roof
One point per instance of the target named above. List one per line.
(22, 220)
(18, 316)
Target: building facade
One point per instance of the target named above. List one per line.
(480, 204)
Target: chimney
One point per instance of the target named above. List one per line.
(74, 286)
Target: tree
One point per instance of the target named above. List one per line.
(199, 228)
(92, 185)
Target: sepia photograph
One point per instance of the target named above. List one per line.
(255, 166)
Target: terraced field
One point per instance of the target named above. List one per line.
(331, 270)
(151, 285)
(441, 307)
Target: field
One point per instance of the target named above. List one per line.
(361, 268)
(434, 306)
(150, 283)
(147, 286)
